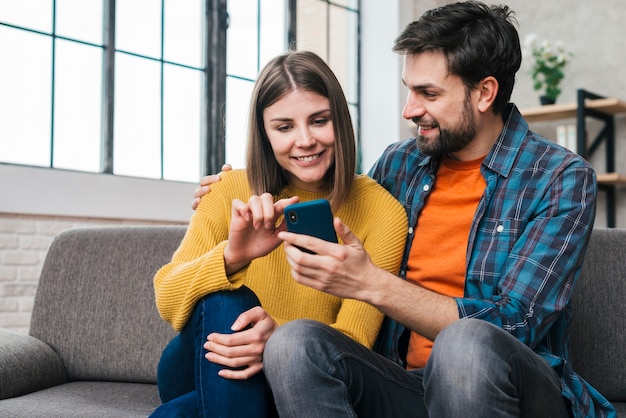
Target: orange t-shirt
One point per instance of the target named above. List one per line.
(438, 254)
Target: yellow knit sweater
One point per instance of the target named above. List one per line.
(197, 266)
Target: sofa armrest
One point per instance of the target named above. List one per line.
(27, 365)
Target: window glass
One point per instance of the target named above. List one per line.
(183, 26)
(342, 51)
(273, 30)
(25, 101)
(182, 98)
(242, 39)
(237, 104)
(158, 107)
(138, 27)
(348, 3)
(246, 57)
(354, 114)
(32, 14)
(77, 104)
(137, 127)
(312, 31)
(80, 19)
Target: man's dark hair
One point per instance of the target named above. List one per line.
(477, 41)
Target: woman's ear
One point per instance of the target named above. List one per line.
(488, 90)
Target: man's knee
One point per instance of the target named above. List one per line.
(467, 344)
(292, 339)
(294, 346)
(463, 335)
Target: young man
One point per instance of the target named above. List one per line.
(499, 223)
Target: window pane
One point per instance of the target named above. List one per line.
(33, 14)
(242, 39)
(138, 27)
(80, 19)
(237, 103)
(77, 104)
(137, 150)
(353, 4)
(183, 32)
(181, 123)
(273, 30)
(342, 56)
(354, 114)
(312, 32)
(25, 83)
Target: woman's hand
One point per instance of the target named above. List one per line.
(253, 230)
(242, 350)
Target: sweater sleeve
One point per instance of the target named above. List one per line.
(380, 222)
(197, 267)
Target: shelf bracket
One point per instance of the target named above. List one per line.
(606, 136)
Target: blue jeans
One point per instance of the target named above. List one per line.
(475, 370)
(189, 385)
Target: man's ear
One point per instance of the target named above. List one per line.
(488, 89)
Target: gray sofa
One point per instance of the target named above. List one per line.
(95, 336)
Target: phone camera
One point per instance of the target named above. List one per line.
(293, 217)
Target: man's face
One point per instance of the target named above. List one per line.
(439, 104)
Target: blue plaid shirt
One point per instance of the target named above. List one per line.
(525, 248)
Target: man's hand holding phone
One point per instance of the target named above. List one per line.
(342, 270)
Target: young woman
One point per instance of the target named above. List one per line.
(229, 286)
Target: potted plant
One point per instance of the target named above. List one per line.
(548, 62)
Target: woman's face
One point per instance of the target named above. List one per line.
(300, 130)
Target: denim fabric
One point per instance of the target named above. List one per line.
(476, 370)
(189, 384)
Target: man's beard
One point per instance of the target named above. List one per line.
(452, 139)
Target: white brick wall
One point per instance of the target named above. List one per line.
(24, 243)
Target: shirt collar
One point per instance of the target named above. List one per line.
(504, 152)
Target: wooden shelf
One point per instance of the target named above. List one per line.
(568, 111)
(611, 178)
(603, 110)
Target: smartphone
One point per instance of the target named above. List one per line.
(313, 218)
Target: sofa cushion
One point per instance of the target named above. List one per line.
(598, 333)
(27, 365)
(95, 301)
(85, 399)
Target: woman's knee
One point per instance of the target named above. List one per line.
(238, 300)
(217, 311)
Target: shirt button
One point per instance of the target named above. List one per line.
(426, 187)
(500, 228)
(410, 230)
